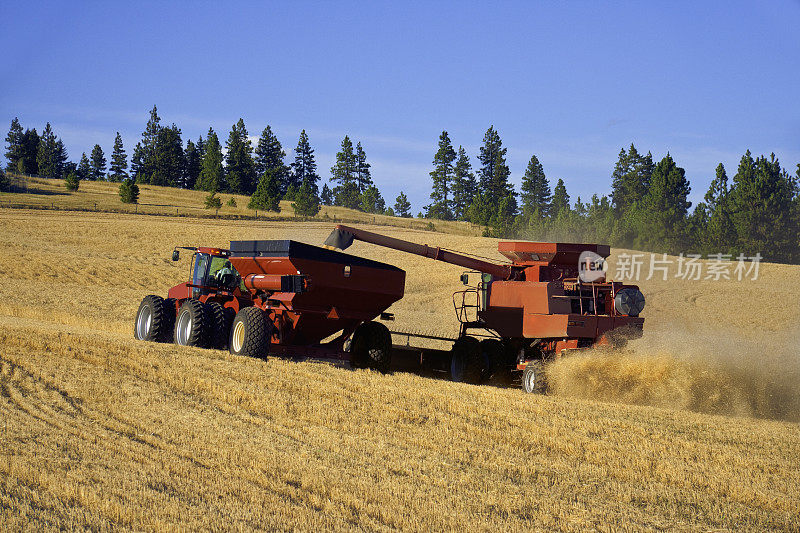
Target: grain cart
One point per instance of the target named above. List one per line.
(526, 312)
(282, 297)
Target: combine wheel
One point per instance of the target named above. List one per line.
(250, 333)
(492, 355)
(221, 321)
(372, 346)
(193, 325)
(533, 378)
(154, 319)
(466, 361)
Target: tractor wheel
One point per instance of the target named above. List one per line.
(372, 347)
(221, 321)
(533, 378)
(193, 325)
(154, 319)
(250, 333)
(466, 361)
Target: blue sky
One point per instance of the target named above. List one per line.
(569, 82)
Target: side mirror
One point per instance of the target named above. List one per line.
(465, 278)
(176, 255)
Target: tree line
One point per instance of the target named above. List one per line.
(758, 211)
(160, 157)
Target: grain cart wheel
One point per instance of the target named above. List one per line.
(372, 346)
(193, 325)
(533, 378)
(154, 319)
(250, 333)
(465, 362)
(221, 321)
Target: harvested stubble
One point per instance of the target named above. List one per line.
(101, 431)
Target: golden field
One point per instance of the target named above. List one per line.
(693, 427)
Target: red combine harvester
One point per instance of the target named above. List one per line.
(286, 297)
(527, 312)
(283, 297)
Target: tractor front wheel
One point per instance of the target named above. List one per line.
(533, 379)
(466, 361)
(250, 333)
(154, 319)
(372, 346)
(193, 325)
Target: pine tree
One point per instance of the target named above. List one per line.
(119, 161)
(129, 191)
(305, 202)
(72, 181)
(168, 159)
(326, 196)
(239, 165)
(137, 160)
(30, 151)
(402, 207)
(372, 201)
(269, 156)
(268, 193)
(493, 173)
(363, 176)
(535, 190)
(712, 220)
(212, 175)
(191, 170)
(212, 201)
(47, 157)
(304, 168)
(4, 182)
(343, 173)
(464, 185)
(763, 204)
(61, 158)
(631, 178)
(442, 177)
(15, 145)
(560, 201)
(84, 168)
(664, 209)
(149, 143)
(97, 163)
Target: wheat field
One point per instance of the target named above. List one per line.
(692, 427)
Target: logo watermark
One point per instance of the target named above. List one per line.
(717, 267)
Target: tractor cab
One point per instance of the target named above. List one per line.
(211, 270)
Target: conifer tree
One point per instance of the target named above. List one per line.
(560, 201)
(535, 189)
(84, 168)
(137, 162)
(493, 173)
(212, 175)
(61, 158)
(149, 143)
(442, 177)
(4, 182)
(305, 202)
(343, 173)
(664, 209)
(363, 176)
(304, 168)
(326, 196)
(129, 191)
(713, 219)
(72, 181)
(119, 161)
(15, 145)
(191, 170)
(168, 161)
(372, 201)
(97, 163)
(47, 155)
(30, 151)
(268, 192)
(402, 207)
(464, 185)
(631, 178)
(239, 164)
(269, 156)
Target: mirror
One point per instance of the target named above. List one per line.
(465, 278)
(176, 255)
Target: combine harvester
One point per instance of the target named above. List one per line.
(286, 298)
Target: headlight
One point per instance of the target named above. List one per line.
(629, 302)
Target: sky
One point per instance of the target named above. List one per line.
(571, 82)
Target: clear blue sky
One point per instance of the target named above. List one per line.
(569, 82)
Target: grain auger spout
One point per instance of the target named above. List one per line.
(342, 237)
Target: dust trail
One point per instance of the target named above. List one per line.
(708, 372)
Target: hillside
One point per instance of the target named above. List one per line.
(695, 426)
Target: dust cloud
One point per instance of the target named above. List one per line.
(702, 371)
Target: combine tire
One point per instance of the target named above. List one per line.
(154, 319)
(466, 361)
(493, 356)
(250, 333)
(372, 347)
(533, 378)
(221, 321)
(193, 325)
